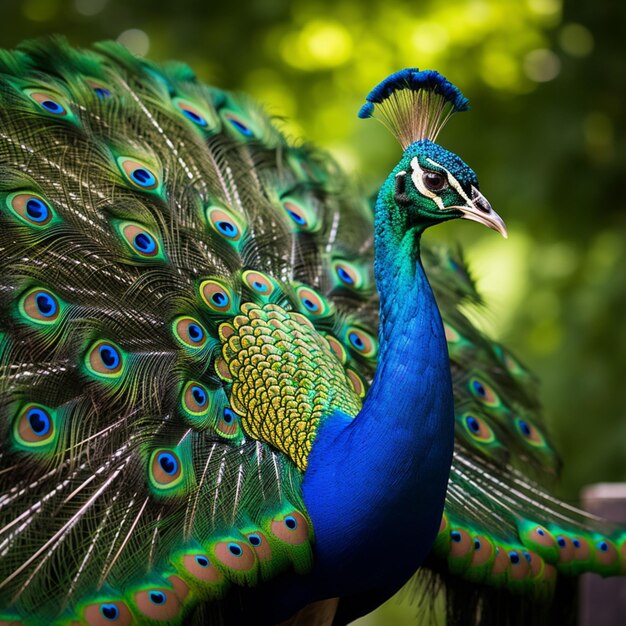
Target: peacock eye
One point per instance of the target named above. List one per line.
(434, 181)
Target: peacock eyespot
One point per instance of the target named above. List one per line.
(142, 242)
(238, 124)
(158, 604)
(527, 556)
(34, 426)
(105, 359)
(109, 611)
(227, 425)
(30, 208)
(296, 214)
(236, 555)
(483, 392)
(235, 549)
(224, 223)
(348, 274)
(434, 181)
(603, 546)
(40, 306)
(362, 343)
(540, 531)
(103, 92)
(258, 282)
(138, 173)
(166, 469)
(191, 113)
(478, 428)
(561, 542)
(312, 303)
(291, 528)
(190, 332)
(529, 432)
(195, 398)
(514, 558)
(228, 416)
(215, 295)
(576, 543)
(254, 539)
(49, 102)
(452, 335)
(456, 536)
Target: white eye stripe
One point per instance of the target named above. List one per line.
(453, 182)
(417, 178)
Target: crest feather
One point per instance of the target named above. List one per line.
(414, 105)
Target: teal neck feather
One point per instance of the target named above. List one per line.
(375, 485)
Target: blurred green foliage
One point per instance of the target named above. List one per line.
(547, 137)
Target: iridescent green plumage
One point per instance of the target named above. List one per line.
(185, 296)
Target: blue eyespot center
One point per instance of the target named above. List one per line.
(145, 243)
(296, 217)
(455, 535)
(260, 287)
(526, 555)
(472, 424)
(199, 395)
(37, 210)
(344, 276)
(240, 126)
(202, 561)
(168, 463)
(541, 531)
(524, 427)
(102, 92)
(109, 356)
(235, 549)
(310, 305)
(52, 107)
(290, 522)
(227, 228)
(220, 298)
(109, 611)
(194, 117)
(356, 341)
(195, 332)
(39, 422)
(479, 388)
(561, 541)
(476, 544)
(143, 177)
(46, 304)
(229, 416)
(157, 597)
(576, 543)
(603, 545)
(514, 557)
(254, 539)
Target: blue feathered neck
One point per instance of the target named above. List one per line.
(391, 462)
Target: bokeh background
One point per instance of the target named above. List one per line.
(547, 136)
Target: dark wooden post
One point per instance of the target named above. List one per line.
(603, 600)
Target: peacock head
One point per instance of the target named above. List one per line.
(430, 184)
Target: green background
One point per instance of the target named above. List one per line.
(546, 135)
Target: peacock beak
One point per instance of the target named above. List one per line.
(479, 210)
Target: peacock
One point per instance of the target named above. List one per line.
(228, 392)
